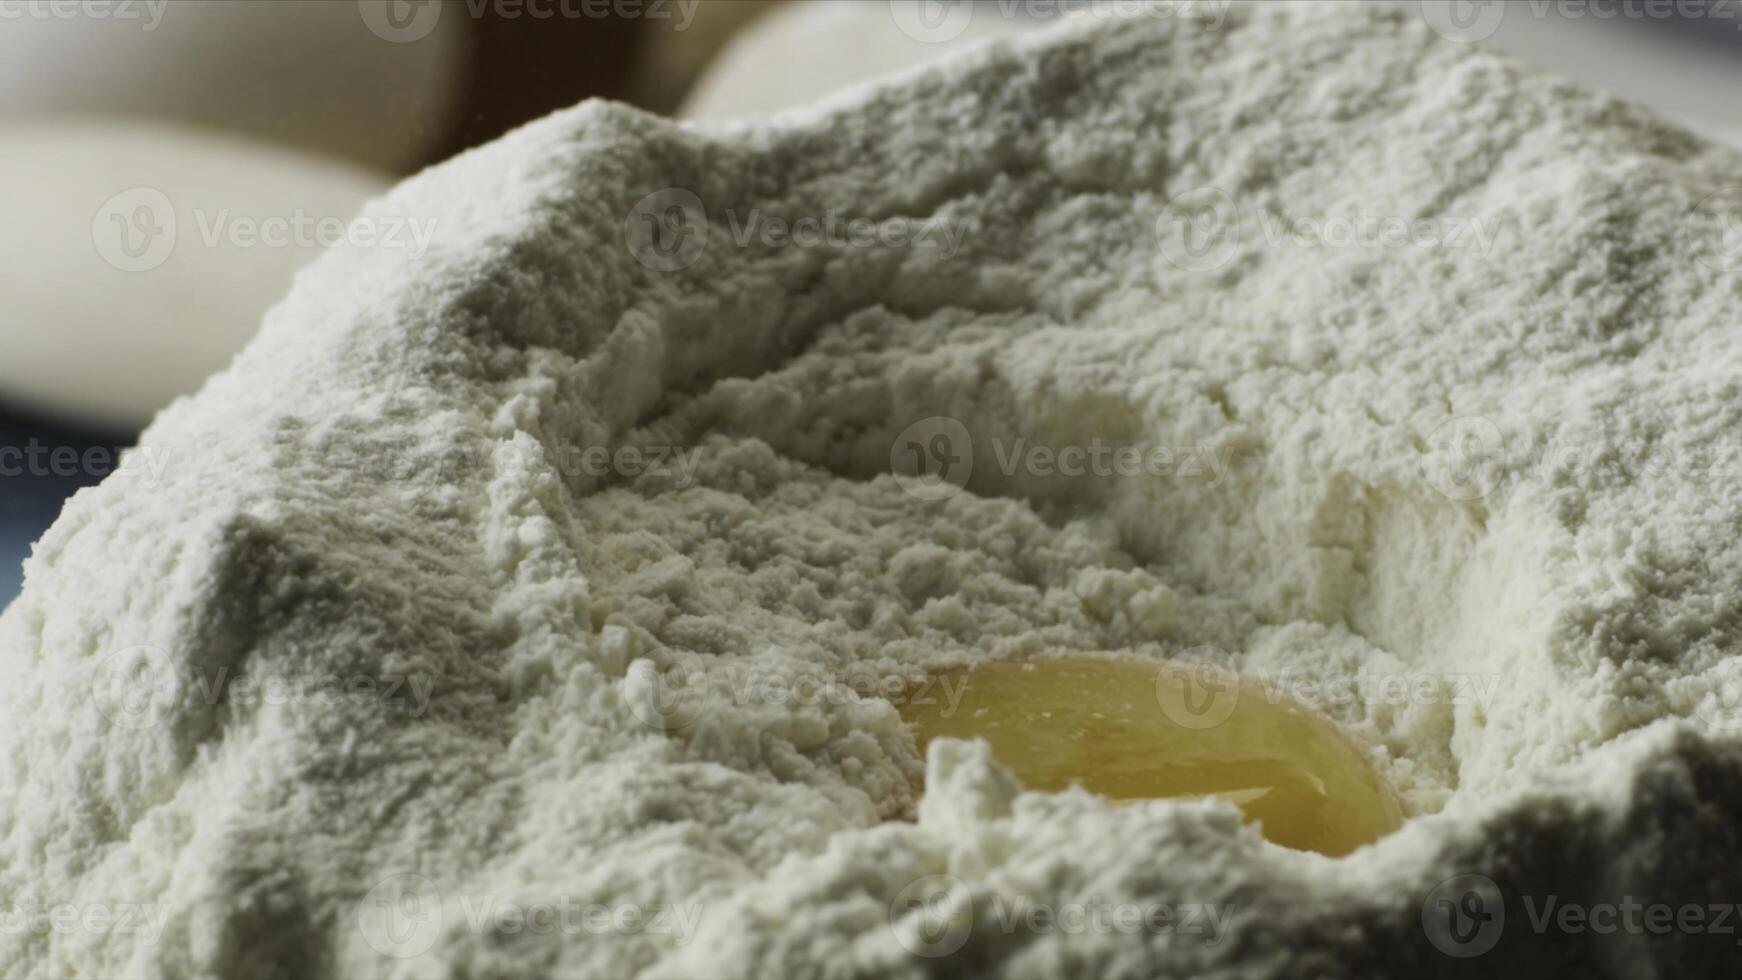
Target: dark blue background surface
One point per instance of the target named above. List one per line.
(31, 497)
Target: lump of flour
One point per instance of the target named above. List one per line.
(532, 606)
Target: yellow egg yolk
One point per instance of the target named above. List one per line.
(1131, 729)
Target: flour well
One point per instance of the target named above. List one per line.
(1413, 378)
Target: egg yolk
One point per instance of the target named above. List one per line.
(1130, 729)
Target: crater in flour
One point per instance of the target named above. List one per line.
(1092, 515)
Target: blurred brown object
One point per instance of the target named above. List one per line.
(674, 59)
(519, 68)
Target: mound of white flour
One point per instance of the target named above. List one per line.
(521, 608)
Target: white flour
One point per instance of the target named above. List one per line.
(387, 673)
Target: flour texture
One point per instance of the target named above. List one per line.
(532, 606)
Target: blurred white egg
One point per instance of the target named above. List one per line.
(674, 51)
(137, 259)
(802, 52)
(374, 81)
